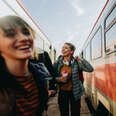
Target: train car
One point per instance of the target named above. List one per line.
(100, 50)
(41, 43)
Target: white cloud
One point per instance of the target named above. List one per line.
(79, 10)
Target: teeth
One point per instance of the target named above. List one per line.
(24, 47)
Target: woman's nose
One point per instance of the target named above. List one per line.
(23, 37)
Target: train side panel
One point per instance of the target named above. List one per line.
(100, 51)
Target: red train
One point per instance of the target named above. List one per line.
(100, 50)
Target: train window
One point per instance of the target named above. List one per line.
(97, 44)
(110, 36)
(88, 52)
(84, 54)
(46, 47)
(81, 54)
(111, 17)
(110, 32)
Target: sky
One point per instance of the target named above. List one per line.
(65, 20)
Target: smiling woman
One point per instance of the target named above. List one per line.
(22, 85)
(67, 70)
(17, 36)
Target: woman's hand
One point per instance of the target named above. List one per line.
(63, 79)
(50, 92)
(78, 58)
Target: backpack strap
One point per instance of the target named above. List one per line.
(81, 77)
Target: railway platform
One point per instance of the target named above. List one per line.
(53, 109)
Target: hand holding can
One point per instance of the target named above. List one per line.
(65, 74)
(64, 77)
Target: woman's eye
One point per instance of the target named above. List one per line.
(10, 33)
(25, 31)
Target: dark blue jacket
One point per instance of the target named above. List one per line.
(8, 84)
(45, 59)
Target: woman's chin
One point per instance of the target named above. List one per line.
(64, 55)
(27, 56)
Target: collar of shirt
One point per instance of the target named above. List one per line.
(67, 63)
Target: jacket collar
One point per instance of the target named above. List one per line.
(60, 59)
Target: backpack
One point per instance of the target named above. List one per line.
(81, 77)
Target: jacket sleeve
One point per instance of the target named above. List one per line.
(48, 64)
(84, 65)
(7, 102)
(55, 66)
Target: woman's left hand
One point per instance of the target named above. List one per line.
(50, 92)
(78, 58)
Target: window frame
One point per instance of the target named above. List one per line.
(88, 45)
(99, 28)
(106, 29)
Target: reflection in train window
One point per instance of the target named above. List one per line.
(97, 44)
(88, 52)
(111, 17)
(111, 39)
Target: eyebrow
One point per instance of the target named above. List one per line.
(25, 29)
(8, 30)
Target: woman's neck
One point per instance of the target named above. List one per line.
(67, 58)
(17, 68)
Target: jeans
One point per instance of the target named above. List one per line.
(64, 99)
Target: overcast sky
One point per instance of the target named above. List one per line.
(65, 20)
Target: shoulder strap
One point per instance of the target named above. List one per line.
(80, 72)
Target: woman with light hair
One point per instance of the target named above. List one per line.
(22, 87)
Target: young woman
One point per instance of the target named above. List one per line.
(70, 87)
(22, 87)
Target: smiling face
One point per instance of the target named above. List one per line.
(16, 43)
(66, 50)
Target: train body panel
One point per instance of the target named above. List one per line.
(100, 51)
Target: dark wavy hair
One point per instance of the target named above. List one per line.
(72, 47)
